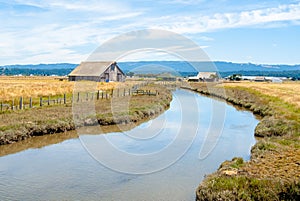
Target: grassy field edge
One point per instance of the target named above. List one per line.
(273, 172)
(20, 125)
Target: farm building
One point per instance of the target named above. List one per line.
(97, 71)
(276, 80)
(260, 79)
(204, 77)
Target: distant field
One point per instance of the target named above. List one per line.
(13, 87)
(289, 91)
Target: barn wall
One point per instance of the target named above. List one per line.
(112, 73)
(120, 75)
(79, 78)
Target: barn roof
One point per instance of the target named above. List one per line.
(91, 68)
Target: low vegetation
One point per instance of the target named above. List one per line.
(273, 173)
(22, 124)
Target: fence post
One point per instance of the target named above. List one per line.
(30, 102)
(106, 94)
(98, 94)
(41, 101)
(48, 100)
(124, 91)
(102, 94)
(78, 97)
(21, 103)
(1, 106)
(12, 104)
(65, 99)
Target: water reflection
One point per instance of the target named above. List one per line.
(64, 170)
(46, 140)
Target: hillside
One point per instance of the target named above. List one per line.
(154, 67)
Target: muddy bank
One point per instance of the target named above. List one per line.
(20, 125)
(273, 172)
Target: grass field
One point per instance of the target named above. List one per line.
(287, 91)
(22, 124)
(12, 87)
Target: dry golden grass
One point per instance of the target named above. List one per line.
(22, 124)
(12, 87)
(287, 91)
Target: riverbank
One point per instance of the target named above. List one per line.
(273, 172)
(23, 124)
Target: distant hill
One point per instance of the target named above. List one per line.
(154, 67)
(41, 66)
(60, 69)
(181, 66)
(186, 69)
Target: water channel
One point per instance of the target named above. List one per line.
(68, 167)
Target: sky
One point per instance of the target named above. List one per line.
(55, 31)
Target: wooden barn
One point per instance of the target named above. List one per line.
(97, 71)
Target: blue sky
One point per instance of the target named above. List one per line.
(53, 31)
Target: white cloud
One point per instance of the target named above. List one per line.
(52, 37)
(95, 6)
(68, 31)
(205, 38)
(199, 23)
(78, 5)
(185, 2)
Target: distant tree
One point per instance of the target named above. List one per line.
(130, 74)
(213, 76)
(235, 77)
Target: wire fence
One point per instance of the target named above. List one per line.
(23, 103)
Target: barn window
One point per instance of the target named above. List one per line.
(112, 68)
(119, 78)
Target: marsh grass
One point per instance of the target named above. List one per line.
(240, 188)
(273, 173)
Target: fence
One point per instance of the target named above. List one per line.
(28, 103)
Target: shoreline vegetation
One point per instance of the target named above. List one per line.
(23, 124)
(273, 172)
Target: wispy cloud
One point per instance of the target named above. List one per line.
(60, 30)
(185, 2)
(90, 5)
(66, 32)
(199, 23)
